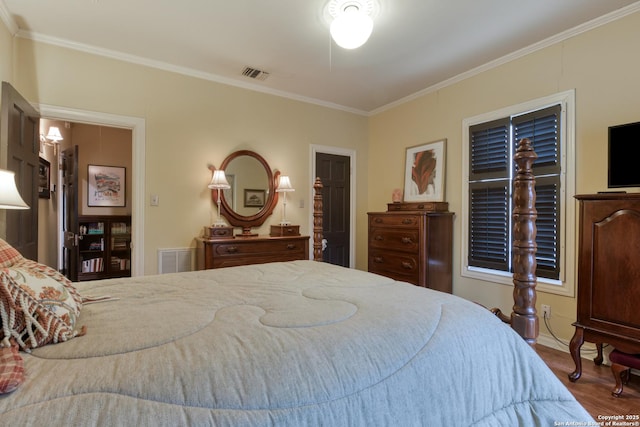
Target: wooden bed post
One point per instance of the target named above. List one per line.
(524, 319)
(317, 220)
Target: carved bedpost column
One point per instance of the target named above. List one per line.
(524, 319)
(317, 220)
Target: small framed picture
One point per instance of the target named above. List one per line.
(106, 186)
(254, 198)
(44, 179)
(424, 172)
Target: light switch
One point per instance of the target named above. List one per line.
(155, 200)
(301, 203)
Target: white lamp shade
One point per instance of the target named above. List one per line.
(9, 196)
(219, 180)
(284, 184)
(54, 134)
(351, 28)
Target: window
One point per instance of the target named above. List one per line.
(491, 141)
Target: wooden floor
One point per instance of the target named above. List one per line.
(593, 389)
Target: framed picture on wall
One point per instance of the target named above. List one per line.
(106, 186)
(424, 172)
(44, 179)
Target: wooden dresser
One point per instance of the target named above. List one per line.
(229, 252)
(412, 245)
(608, 275)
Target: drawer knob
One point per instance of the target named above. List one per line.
(232, 249)
(378, 259)
(378, 237)
(291, 246)
(407, 265)
(406, 240)
(378, 220)
(407, 221)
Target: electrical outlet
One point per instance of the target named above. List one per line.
(546, 311)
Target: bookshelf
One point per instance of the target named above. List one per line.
(104, 247)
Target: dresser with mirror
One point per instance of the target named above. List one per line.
(246, 204)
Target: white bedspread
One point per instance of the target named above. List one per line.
(286, 344)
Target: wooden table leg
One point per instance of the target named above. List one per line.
(574, 347)
(599, 358)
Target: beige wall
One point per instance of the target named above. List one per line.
(601, 65)
(191, 123)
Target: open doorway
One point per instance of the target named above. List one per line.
(94, 145)
(95, 126)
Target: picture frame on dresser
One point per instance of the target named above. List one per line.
(424, 172)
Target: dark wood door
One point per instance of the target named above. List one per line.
(69, 158)
(335, 172)
(20, 140)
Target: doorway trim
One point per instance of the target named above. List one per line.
(137, 126)
(352, 189)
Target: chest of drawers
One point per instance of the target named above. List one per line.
(412, 246)
(216, 253)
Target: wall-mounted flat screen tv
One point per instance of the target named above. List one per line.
(624, 155)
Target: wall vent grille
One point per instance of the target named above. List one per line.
(254, 73)
(176, 260)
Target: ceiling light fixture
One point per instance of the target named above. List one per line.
(352, 23)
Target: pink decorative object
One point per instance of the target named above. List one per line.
(396, 196)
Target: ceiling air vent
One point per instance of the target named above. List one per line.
(254, 73)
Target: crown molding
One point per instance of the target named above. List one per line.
(7, 18)
(138, 60)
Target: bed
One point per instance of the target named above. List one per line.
(300, 343)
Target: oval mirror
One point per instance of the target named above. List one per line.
(252, 197)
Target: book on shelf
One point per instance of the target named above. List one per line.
(97, 246)
(119, 228)
(92, 228)
(120, 263)
(93, 265)
(119, 244)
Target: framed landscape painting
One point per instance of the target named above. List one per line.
(254, 198)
